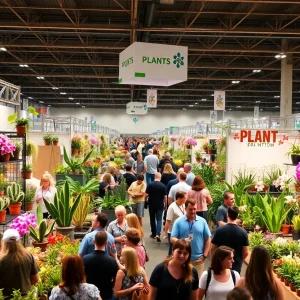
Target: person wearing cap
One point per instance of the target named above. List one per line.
(18, 269)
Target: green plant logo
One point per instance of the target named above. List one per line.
(178, 60)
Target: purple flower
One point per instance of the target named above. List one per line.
(22, 222)
(174, 138)
(94, 141)
(6, 146)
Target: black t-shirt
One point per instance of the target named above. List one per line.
(129, 178)
(235, 237)
(163, 162)
(171, 183)
(165, 178)
(170, 288)
(102, 187)
(156, 191)
(100, 270)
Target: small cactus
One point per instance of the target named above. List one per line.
(4, 202)
(15, 194)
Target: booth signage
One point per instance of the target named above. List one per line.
(153, 64)
(260, 138)
(152, 98)
(136, 108)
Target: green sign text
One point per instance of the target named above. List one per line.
(127, 62)
(156, 60)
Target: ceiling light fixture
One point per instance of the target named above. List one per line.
(235, 81)
(30, 97)
(276, 97)
(183, 108)
(257, 101)
(277, 106)
(238, 106)
(39, 77)
(261, 109)
(63, 93)
(212, 94)
(280, 56)
(83, 106)
(229, 108)
(49, 105)
(71, 98)
(77, 103)
(23, 66)
(297, 102)
(203, 99)
(54, 88)
(196, 103)
(256, 71)
(41, 101)
(191, 105)
(3, 49)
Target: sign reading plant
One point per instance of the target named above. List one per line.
(153, 64)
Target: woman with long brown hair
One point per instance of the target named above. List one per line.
(133, 222)
(175, 278)
(201, 195)
(259, 279)
(73, 285)
(168, 174)
(18, 270)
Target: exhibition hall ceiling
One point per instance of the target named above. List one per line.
(65, 53)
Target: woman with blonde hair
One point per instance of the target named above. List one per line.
(46, 191)
(104, 184)
(132, 277)
(168, 174)
(175, 278)
(18, 269)
(133, 222)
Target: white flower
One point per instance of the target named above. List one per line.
(280, 241)
(243, 208)
(259, 186)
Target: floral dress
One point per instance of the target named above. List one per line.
(86, 292)
(127, 283)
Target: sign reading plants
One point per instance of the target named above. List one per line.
(153, 64)
(260, 138)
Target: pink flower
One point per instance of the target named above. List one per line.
(174, 138)
(6, 146)
(22, 222)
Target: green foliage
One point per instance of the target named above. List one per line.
(208, 173)
(294, 150)
(4, 202)
(81, 211)
(181, 154)
(1, 294)
(216, 191)
(55, 138)
(237, 191)
(296, 222)
(120, 162)
(62, 210)
(272, 173)
(61, 169)
(75, 144)
(256, 239)
(2, 184)
(28, 168)
(18, 146)
(244, 179)
(31, 149)
(30, 192)
(198, 154)
(15, 194)
(90, 188)
(13, 118)
(43, 228)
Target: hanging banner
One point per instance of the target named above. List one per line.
(153, 64)
(213, 116)
(219, 100)
(152, 98)
(256, 112)
(136, 108)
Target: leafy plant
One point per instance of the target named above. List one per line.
(244, 179)
(2, 184)
(207, 172)
(62, 210)
(13, 118)
(18, 146)
(294, 150)
(61, 169)
(30, 192)
(216, 191)
(15, 194)
(198, 154)
(4, 202)
(43, 228)
(296, 222)
(31, 149)
(55, 138)
(272, 175)
(76, 143)
(28, 168)
(238, 192)
(272, 212)
(90, 188)
(181, 154)
(81, 211)
(48, 138)
(256, 239)
(16, 295)
(120, 162)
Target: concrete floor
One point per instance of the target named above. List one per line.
(158, 251)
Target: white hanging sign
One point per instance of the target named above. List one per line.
(213, 116)
(219, 100)
(136, 108)
(152, 98)
(153, 64)
(256, 112)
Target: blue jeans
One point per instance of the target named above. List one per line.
(155, 220)
(170, 244)
(149, 177)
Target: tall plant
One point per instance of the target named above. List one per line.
(76, 164)
(208, 173)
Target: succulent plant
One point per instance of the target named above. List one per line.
(4, 202)
(15, 194)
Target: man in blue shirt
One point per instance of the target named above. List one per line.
(194, 229)
(87, 245)
(221, 216)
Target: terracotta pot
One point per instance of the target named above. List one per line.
(15, 208)
(285, 228)
(198, 159)
(297, 187)
(28, 175)
(21, 129)
(1, 193)
(266, 188)
(281, 279)
(75, 151)
(47, 143)
(209, 151)
(28, 206)
(298, 292)
(253, 189)
(286, 283)
(15, 156)
(55, 143)
(5, 157)
(293, 289)
(2, 216)
(43, 245)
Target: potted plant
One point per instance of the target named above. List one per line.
(16, 153)
(296, 231)
(28, 171)
(16, 196)
(41, 231)
(6, 147)
(294, 153)
(2, 186)
(75, 145)
(198, 156)
(205, 147)
(55, 140)
(4, 202)
(29, 196)
(47, 139)
(209, 148)
(62, 210)
(22, 124)
(297, 184)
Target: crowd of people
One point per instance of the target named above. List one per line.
(112, 257)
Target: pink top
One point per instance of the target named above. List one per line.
(200, 198)
(140, 251)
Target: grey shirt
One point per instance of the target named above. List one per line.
(222, 214)
(151, 162)
(129, 161)
(138, 167)
(190, 178)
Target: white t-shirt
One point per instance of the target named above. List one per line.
(217, 290)
(179, 187)
(174, 212)
(151, 162)
(45, 194)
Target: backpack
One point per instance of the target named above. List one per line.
(209, 279)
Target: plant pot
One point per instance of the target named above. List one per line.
(281, 278)
(285, 228)
(295, 159)
(198, 159)
(15, 208)
(5, 157)
(66, 231)
(27, 175)
(42, 245)
(296, 235)
(47, 143)
(297, 188)
(266, 188)
(293, 289)
(286, 283)
(274, 189)
(15, 156)
(213, 151)
(253, 189)
(298, 292)
(2, 216)
(277, 234)
(21, 129)
(55, 143)
(209, 151)
(1, 193)
(75, 151)
(28, 206)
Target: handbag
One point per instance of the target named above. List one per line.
(147, 256)
(139, 294)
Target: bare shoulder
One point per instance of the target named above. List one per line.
(241, 282)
